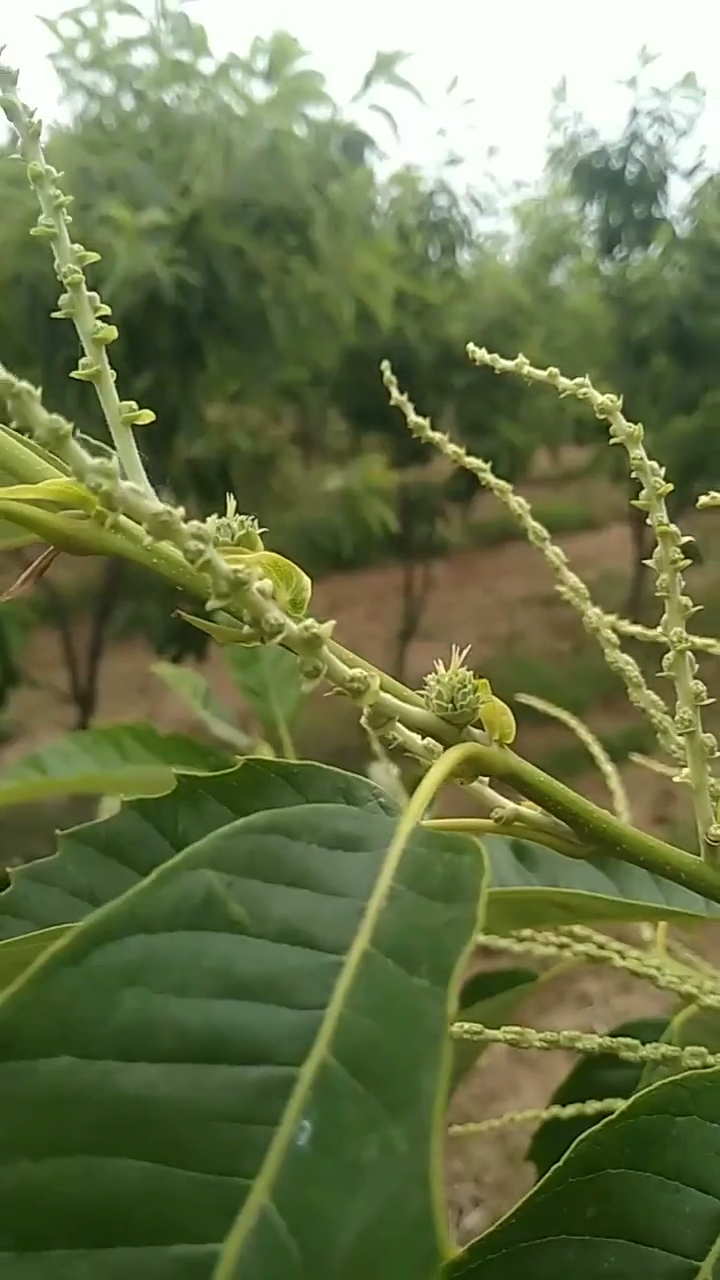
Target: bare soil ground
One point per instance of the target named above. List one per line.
(497, 600)
(493, 599)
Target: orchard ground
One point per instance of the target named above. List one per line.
(500, 600)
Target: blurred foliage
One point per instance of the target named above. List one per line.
(260, 263)
(15, 620)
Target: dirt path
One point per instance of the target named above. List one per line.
(493, 599)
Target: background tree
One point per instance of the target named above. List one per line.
(261, 263)
(628, 190)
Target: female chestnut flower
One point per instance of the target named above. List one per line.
(451, 691)
(454, 693)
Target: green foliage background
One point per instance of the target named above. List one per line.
(261, 262)
(242, 979)
(262, 256)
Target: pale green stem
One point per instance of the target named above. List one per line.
(595, 827)
(504, 811)
(653, 635)
(667, 977)
(287, 745)
(668, 562)
(67, 260)
(692, 1057)
(437, 775)
(595, 749)
(388, 683)
(486, 827)
(602, 830)
(537, 1116)
(569, 585)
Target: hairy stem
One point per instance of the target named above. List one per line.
(69, 261)
(653, 635)
(403, 714)
(569, 585)
(668, 562)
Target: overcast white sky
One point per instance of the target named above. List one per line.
(508, 56)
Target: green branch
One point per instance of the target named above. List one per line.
(508, 830)
(77, 303)
(594, 826)
(400, 710)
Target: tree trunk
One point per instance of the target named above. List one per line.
(416, 583)
(86, 695)
(641, 540)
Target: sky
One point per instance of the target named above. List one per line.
(507, 57)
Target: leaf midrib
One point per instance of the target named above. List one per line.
(318, 1054)
(707, 1266)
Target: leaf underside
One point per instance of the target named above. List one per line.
(151, 1062)
(99, 861)
(534, 887)
(120, 759)
(529, 886)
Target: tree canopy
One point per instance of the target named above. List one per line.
(260, 263)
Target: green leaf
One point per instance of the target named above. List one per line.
(534, 887)
(59, 529)
(219, 632)
(692, 1025)
(12, 536)
(53, 465)
(124, 759)
(63, 491)
(194, 689)
(292, 588)
(46, 777)
(268, 678)
(75, 533)
(492, 998)
(17, 954)
(102, 860)
(638, 1198)
(598, 1076)
(260, 1026)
